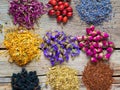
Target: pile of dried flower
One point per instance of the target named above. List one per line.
(57, 47)
(63, 78)
(23, 46)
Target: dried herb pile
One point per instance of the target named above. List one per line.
(97, 76)
(93, 44)
(26, 12)
(25, 81)
(63, 78)
(23, 46)
(57, 46)
(94, 11)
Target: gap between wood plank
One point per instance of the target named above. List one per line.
(40, 48)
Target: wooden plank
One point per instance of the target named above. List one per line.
(74, 27)
(7, 86)
(42, 66)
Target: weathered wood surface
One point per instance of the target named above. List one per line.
(74, 27)
(42, 66)
(7, 86)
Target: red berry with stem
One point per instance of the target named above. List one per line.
(69, 14)
(66, 4)
(59, 18)
(51, 12)
(58, 13)
(53, 2)
(60, 3)
(56, 7)
(65, 19)
(64, 12)
(61, 7)
(69, 9)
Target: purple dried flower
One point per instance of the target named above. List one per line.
(26, 12)
(60, 47)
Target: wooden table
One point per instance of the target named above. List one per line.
(74, 27)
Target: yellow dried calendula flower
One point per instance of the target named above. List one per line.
(63, 78)
(23, 46)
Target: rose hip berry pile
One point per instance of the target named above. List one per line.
(94, 43)
(57, 46)
(61, 9)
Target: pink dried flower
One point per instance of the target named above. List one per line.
(92, 28)
(94, 33)
(95, 44)
(79, 38)
(85, 49)
(90, 38)
(99, 50)
(105, 35)
(109, 49)
(81, 44)
(91, 47)
(100, 56)
(84, 37)
(105, 43)
(100, 44)
(98, 32)
(94, 60)
(89, 53)
(95, 51)
(111, 44)
(107, 56)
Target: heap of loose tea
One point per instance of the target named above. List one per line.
(25, 81)
(57, 47)
(63, 78)
(97, 76)
(23, 46)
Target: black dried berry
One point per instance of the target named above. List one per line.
(25, 80)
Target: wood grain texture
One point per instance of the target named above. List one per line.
(42, 66)
(75, 26)
(7, 86)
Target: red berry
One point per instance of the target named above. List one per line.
(56, 7)
(59, 18)
(69, 14)
(60, 3)
(61, 7)
(69, 9)
(64, 12)
(66, 4)
(53, 2)
(51, 12)
(65, 19)
(57, 13)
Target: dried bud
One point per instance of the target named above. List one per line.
(94, 60)
(105, 35)
(110, 50)
(107, 56)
